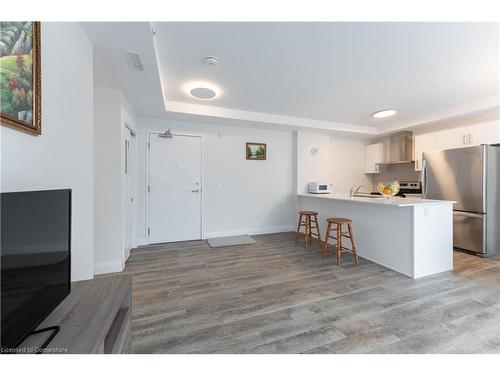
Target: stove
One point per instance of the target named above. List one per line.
(406, 188)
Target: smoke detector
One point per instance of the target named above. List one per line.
(210, 61)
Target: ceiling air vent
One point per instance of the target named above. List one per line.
(134, 61)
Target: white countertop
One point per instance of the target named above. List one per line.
(394, 201)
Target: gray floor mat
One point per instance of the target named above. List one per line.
(244, 239)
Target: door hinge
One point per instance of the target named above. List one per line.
(149, 231)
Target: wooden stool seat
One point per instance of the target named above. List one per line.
(308, 213)
(337, 222)
(308, 220)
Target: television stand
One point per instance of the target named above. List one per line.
(94, 318)
(55, 329)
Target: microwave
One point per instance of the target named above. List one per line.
(320, 187)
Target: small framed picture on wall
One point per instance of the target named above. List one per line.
(256, 151)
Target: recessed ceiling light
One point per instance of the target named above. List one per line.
(202, 90)
(384, 113)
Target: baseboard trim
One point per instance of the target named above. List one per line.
(142, 241)
(108, 267)
(252, 231)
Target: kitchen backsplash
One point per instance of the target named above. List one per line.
(400, 172)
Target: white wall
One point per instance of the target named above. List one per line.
(348, 163)
(239, 196)
(111, 111)
(62, 156)
(339, 160)
(312, 167)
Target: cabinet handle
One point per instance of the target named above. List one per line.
(464, 139)
(417, 163)
(470, 138)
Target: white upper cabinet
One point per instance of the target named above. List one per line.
(451, 138)
(485, 133)
(423, 143)
(374, 155)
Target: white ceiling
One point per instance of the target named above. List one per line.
(110, 39)
(322, 75)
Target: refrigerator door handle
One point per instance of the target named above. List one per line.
(469, 214)
(424, 179)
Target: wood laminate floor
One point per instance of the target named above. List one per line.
(278, 297)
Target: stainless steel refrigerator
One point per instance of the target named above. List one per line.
(471, 177)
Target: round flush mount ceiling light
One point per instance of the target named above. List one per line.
(203, 93)
(384, 113)
(202, 90)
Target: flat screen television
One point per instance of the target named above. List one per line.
(35, 259)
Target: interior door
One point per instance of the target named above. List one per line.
(174, 188)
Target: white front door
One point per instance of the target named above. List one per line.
(174, 188)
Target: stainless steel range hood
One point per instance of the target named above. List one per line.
(401, 148)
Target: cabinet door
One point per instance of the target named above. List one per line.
(374, 155)
(452, 138)
(485, 133)
(423, 143)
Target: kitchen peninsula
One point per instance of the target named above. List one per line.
(412, 236)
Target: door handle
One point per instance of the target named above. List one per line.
(195, 191)
(424, 179)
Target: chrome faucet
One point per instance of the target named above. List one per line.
(354, 189)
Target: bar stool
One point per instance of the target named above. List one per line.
(308, 220)
(338, 222)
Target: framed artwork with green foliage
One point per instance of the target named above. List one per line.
(20, 78)
(256, 151)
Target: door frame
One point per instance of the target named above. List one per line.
(147, 182)
(131, 166)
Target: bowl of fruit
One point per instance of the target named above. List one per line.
(388, 189)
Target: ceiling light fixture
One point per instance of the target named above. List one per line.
(384, 113)
(202, 90)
